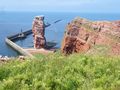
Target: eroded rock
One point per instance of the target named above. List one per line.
(38, 30)
(82, 35)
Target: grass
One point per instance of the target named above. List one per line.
(58, 72)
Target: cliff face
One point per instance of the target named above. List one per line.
(83, 35)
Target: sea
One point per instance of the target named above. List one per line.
(12, 23)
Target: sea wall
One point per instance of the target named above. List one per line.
(17, 48)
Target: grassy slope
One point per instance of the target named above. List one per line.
(57, 72)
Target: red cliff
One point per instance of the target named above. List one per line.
(83, 35)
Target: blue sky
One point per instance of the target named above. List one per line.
(106, 6)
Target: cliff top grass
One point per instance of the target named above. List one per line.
(59, 72)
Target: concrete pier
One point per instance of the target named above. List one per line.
(18, 48)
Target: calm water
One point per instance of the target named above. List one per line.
(12, 22)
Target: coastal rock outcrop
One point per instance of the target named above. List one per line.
(82, 35)
(38, 29)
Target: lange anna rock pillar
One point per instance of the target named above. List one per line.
(38, 30)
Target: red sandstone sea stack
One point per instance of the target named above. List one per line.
(38, 29)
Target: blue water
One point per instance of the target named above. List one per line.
(12, 22)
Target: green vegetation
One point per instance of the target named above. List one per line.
(58, 72)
